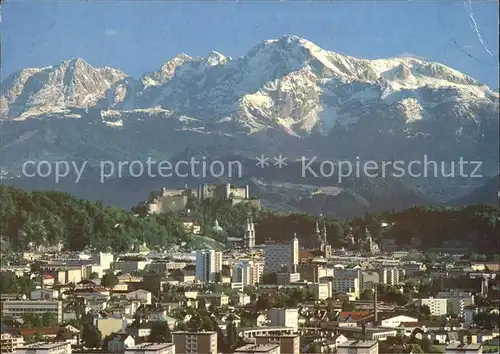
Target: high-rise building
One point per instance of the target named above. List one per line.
(208, 265)
(389, 276)
(195, 342)
(246, 272)
(282, 255)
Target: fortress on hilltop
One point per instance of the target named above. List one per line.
(175, 199)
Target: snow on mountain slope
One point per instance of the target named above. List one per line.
(73, 83)
(288, 83)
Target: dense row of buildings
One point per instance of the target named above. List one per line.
(156, 286)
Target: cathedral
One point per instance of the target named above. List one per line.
(249, 234)
(362, 242)
(323, 246)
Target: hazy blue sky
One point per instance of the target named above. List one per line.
(139, 36)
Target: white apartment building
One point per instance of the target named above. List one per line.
(17, 308)
(45, 348)
(321, 291)
(208, 265)
(346, 285)
(151, 348)
(140, 295)
(104, 260)
(457, 301)
(278, 256)
(44, 294)
(246, 272)
(396, 321)
(284, 317)
(438, 307)
(259, 349)
(358, 347)
(195, 342)
(9, 343)
(389, 276)
(464, 348)
(130, 266)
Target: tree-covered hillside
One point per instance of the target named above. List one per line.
(48, 218)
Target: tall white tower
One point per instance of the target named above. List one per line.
(295, 254)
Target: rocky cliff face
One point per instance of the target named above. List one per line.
(285, 96)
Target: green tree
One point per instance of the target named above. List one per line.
(109, 280)
(91, 336)
(348, 306)
(49, 320)
(160, 333)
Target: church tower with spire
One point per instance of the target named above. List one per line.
(317, 233)
(325, 247)
(249, 235)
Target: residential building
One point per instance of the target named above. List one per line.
(104, 260)
(457, 301)
(195, 342)
(355, 272)
(151, 348)
(284, 317)
(413, 269)
(259, 348)
(369, 277)
(288, 343)
(438, 307)
(464, 348)
(10, 342)
(389, 276)
(128, 266)
(44, 294)
(208, 265)
(140, 295)
(218, 300)
(247, 273)
(321, 291)
(312, 272)
(17, 308)
(110, 325)
(120, 342)
(45, 348)
(347, 285)
(396, 321)
(358, 347)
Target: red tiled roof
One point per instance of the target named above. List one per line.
(355, 315)
(305, 254)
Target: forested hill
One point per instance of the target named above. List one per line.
(48, 217)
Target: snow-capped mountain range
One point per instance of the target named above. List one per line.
(288, 92)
